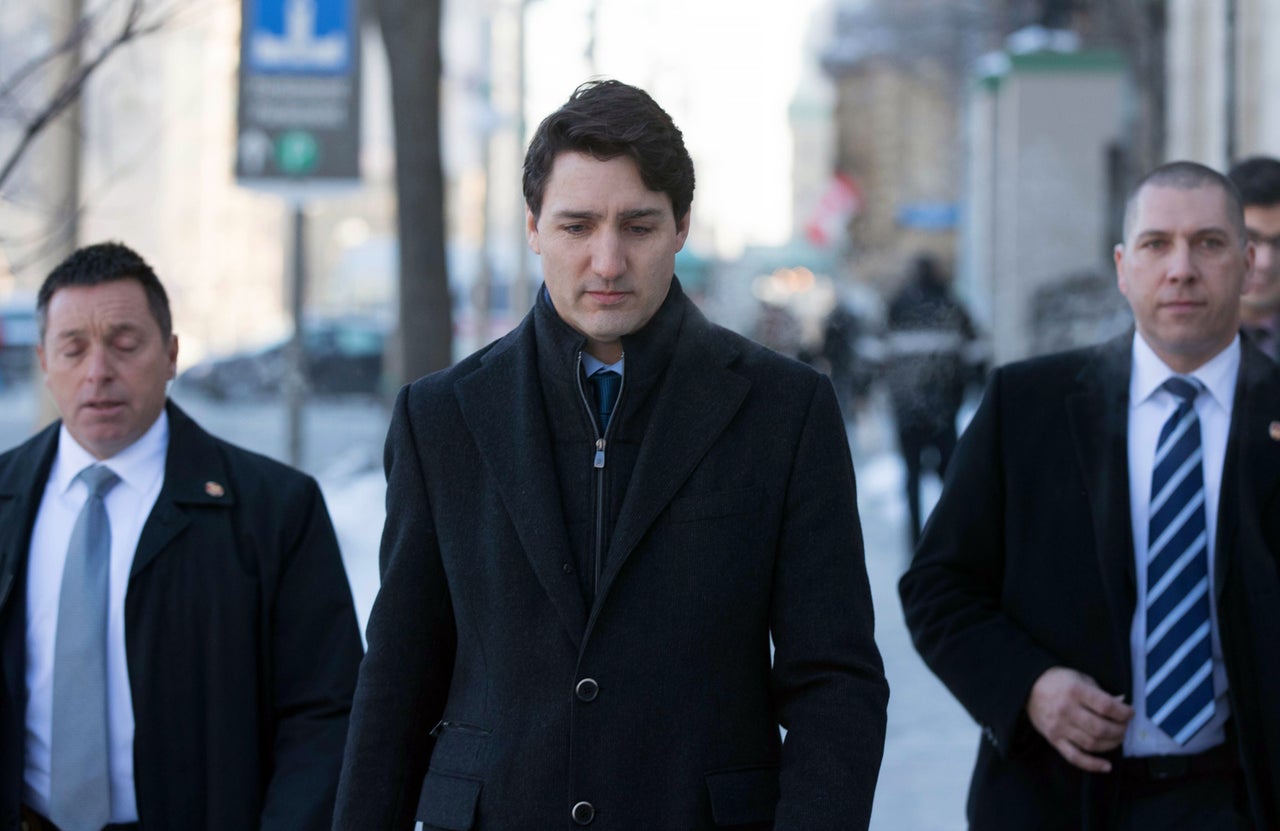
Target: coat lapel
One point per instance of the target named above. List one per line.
(1251, 474)
(21, 489)
(698, 398)
(1099, 418)
(194, 475)
(501, 403)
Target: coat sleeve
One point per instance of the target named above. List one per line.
(405, 677)
(828, 678)
(314, 656)
(952, 594)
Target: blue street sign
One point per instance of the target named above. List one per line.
(300, 37)
(298, 110)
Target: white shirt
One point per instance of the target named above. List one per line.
(1149, 408)
(141, 470)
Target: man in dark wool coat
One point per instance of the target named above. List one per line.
(1099, 584)
(178, 645)
(596, 525)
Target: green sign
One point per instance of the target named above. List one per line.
(297, 152)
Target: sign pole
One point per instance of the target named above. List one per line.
(298, 137)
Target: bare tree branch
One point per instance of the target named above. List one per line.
(135, 25)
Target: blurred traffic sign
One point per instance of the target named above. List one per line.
(299, 104)
(929, 216)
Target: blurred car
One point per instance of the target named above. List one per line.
(341, 356)
(19, 335)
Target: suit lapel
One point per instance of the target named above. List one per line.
(194, 475)
(21, 489)
(501, 403)
(698, 398)
(1099, 418)
(1251, 473)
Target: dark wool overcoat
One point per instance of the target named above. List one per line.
(241, 639)
(497, 695)
(1027, 563)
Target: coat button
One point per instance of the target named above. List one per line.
(587, 689)
(584, 813)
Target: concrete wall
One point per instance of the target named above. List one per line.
(1037, 182)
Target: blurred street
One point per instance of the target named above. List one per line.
(931, 740)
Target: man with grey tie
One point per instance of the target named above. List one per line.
(1099, 583)
(178, 645)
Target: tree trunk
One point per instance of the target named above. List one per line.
(411, 34)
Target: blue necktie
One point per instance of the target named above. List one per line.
(80, 785)
(1179, 667)
(607, 383)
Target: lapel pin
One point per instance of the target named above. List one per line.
(214, 489)
(1275, 430)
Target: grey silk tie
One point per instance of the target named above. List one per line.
(80, 786)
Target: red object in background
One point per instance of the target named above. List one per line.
(840, 202)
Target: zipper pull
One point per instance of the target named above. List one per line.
(599, 462)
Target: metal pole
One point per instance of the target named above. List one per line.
(295, 365)
(1230, 58)
(62, 177)
(520, 289)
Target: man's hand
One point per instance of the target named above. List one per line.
(1077, 717)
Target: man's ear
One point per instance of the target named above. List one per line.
(173, 356)
(531, 231)
(682, 229)
(1122, 282)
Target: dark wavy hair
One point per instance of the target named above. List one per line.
(607, 119)
(105, 262)
(1258, 180)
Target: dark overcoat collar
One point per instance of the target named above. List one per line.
(501, 404)
(1098, 412)
(195, 474)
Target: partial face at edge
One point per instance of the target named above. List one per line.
(1262, 289)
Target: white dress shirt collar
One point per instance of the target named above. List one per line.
(1218, 374)
(139, 465)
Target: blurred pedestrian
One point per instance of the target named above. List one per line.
(840, 334)
(595, 527)
(1258, 180)
(929, 357)
(1098, 583)
(178, 644)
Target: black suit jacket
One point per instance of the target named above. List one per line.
(241, 638)
(1027, 563)
(739, 522)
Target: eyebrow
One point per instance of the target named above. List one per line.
(1161, 232)
(634, 213)
(116, 329)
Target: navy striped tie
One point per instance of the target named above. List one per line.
(1179, 669)
(607, 384)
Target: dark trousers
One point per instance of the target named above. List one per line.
(914, 441)
(1210, 803)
